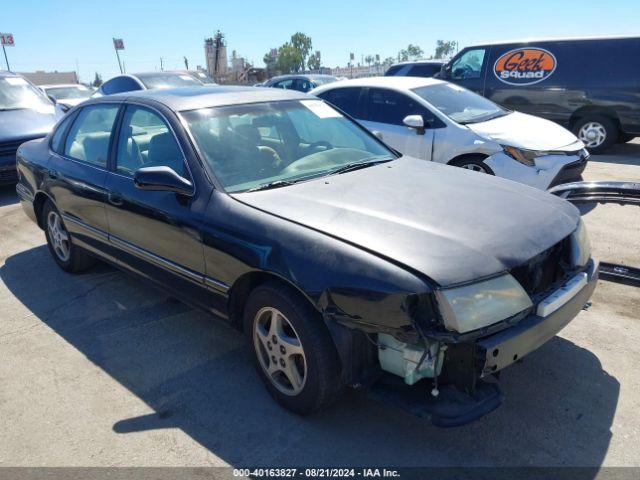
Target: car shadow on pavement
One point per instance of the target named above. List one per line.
(195, 373)
(8, 195)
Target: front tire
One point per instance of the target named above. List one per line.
(597, 132)
(292, 349)
(68, 256)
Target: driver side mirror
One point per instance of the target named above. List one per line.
(162, 179)
(415, 122)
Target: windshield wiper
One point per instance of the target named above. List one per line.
(350, 167)
(270, 185)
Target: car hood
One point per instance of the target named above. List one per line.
(27, 123)
(449, 224)
(528, 132)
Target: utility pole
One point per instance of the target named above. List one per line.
(186, 63)
(161, 65)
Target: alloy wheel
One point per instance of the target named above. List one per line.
(473, 166)
(592, 134)
(279, 351)
(59, 236)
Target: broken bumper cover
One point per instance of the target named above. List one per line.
(508, 346)
(571, 171)
(452, 407)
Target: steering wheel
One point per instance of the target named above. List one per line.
(312, 147)
(274, 159)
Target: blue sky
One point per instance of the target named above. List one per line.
(55, 34)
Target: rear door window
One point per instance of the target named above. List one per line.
(88, 139)
(346, 99)
(284, 84)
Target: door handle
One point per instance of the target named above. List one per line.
(115, 198)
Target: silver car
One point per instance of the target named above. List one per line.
(443, 122)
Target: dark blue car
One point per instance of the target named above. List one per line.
(25, 114)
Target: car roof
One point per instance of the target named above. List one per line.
(191, 98)
(400, 83)
(551, 39)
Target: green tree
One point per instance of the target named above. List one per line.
(445, 48)
(412, 52)
(97, 80)
(292, 56)
(314, 62)
(369, 59)
(303, 45)
(289, 59)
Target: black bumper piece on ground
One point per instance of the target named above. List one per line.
(452, 407)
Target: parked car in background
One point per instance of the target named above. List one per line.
(418, 68)
(25, 113)
(67, 95)
(342, 263)
(434, 120)
(132, 82)
(301, 83)
(589, 85)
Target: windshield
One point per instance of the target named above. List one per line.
(168, 80)
(460, 104)
(323, 80)
(16, 93)
(62, 93)
(253, 145)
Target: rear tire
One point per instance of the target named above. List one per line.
(292, 349)
(597, 132)
(473, 163)
(68, 256)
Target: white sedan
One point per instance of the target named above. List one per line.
(436, 120)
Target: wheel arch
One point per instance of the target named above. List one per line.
(587, 110)
(468, 156)
(245, 284)
(38, 203)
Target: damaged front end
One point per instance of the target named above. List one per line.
(469, 333)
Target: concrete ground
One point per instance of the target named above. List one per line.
(103, 370)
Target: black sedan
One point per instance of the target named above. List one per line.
(343, 264)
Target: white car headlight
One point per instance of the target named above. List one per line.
(481, 304)
(580, 246)
(526, 157)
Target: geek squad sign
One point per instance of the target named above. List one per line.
(525, 66)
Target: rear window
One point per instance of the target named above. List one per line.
(428, 70)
